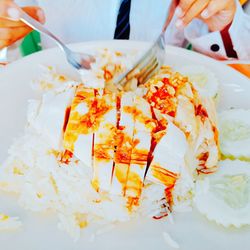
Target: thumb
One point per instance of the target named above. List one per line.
(10, 10)
(35, 12)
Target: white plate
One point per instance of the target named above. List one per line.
(39, 232)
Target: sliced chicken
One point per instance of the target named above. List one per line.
(172, 94)
(128, 139)
(104, 144)
(144, 125)
(206, 147)
(168, 158)
(124, 142)
(49, 115)
(80, 128)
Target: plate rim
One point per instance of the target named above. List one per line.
(127, 44)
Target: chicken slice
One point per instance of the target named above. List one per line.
(206, 147)
(48, 116)
(138, 164)
(78, 136)
(144, 125)
(104, 144)
(168, 158)
(124, 143)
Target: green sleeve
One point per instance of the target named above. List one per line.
(31, 44)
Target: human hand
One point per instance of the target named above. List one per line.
(11, 28)
(216, 14)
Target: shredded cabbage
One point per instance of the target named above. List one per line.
(234, 133)
(234, 190)
(235, 130)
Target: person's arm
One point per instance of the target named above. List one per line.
(215, 14)
(231, 42)
(11, 28)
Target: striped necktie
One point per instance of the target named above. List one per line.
(122, 30)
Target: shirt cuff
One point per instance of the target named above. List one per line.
(211, 43)
(208, 43)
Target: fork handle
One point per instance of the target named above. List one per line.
(170, 14)
(40, 28)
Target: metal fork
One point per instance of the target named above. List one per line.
(152, 60)
(77, 60)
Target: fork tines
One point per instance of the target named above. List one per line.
(146, 66)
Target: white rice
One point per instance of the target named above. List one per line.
(202, 78)
(33, 172)
(224, 196)
(9, 223)
(234, 126)
(42, 184)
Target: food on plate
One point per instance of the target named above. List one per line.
(224, 197)
(94, 154)
(117, 135)
(108, 66)
(234, 126)
(204, 80)
(8, 223)
(174, 96)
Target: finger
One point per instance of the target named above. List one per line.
(35, 12)
(6, 23)
(14, 33)
(5, 33)
(20, 33)
(171, 12)
(4, 43)
(212, 8)
(194, 11)
(11, 11)
(5, 5)
(183, 7)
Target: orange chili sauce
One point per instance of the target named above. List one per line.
(84, 124)
(167, 178)
(157, 134)
(162, 100)
(66, 118)
(201, 111)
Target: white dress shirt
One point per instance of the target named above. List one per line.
(86, 20)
